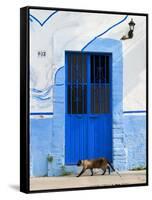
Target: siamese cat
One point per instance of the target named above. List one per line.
(100, 163)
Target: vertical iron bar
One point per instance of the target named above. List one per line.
(94, 84)
(88, 99)
(105, 83)
(110, 83)
(82, 82)
(77, 74)
(100, 67)
(82, 132)
(71, 84)
(66, 98)
(88, 82)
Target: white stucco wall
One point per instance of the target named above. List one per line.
(71, 31)
(134, 74)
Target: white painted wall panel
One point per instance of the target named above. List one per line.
(71, 31)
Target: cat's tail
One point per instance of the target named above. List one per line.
(113, 168)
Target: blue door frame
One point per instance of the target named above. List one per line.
(88, 128)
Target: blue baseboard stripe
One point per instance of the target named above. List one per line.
(125, 112)
(41, 113)
(134, 111)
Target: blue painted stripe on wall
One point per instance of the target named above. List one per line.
(135, 111)
(41, 113)
(41, 99)
(104, 32)
(42, 23)
(56, 73)
(45, 90)
(42, 95)
(51, 113)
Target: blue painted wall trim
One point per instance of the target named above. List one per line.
(58, 131)
(41, 113)
(58, 80)
(51, 113)
(101, 34)
(135, 111)
(42, 23)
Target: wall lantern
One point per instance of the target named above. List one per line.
(130, 33)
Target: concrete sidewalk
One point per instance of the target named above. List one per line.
(129, 177)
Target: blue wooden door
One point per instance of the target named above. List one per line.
(88, 118)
